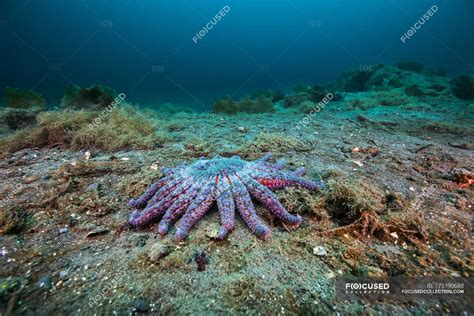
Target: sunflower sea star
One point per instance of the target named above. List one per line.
(189, 191)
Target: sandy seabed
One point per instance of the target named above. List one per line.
(398, 202)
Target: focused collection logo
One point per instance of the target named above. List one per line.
(402, 288)
(367, 288)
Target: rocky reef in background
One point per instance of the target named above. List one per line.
(405, 84)
(20, 108)
(259, 104)
(463, 87)
(86, 117)
(404, 78)
(93, 98)
(22, 99)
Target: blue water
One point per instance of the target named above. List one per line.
(146, 49)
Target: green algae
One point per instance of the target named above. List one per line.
(246, 105)
(14, 219)
(16, 119)
(276, 143)
(22, 99)
(463, 87)
(122, 128)
(92, 98)
(283, 270)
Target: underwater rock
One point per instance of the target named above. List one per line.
(229, 106)
(318, 93)
(355, 80)
(158, 251)
(394, 82)
(94, 187)
(63, 274)
(463, 87)
(382, 78)
(18, 118)
(315, 93)
(414, 90)
(45, 282)
(432, 90)
(274, 95)
(294, 100)
(141, 306)
(385, 77)
(320, 251)
(412, 66)
(22, 99)
(93, 98)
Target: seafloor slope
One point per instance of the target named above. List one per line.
(399, 202)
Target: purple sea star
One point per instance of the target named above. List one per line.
(189, 191)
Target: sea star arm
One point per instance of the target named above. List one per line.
(226, 206)
(265, 166)
(279, 180)
(266, 197)
(196, 210)
(160, 202)
(140, 202)
(165, 191)
(173, 195)
(269, 174)
(246, 210)
(279, 165)
(177, 209)
(299, 172)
